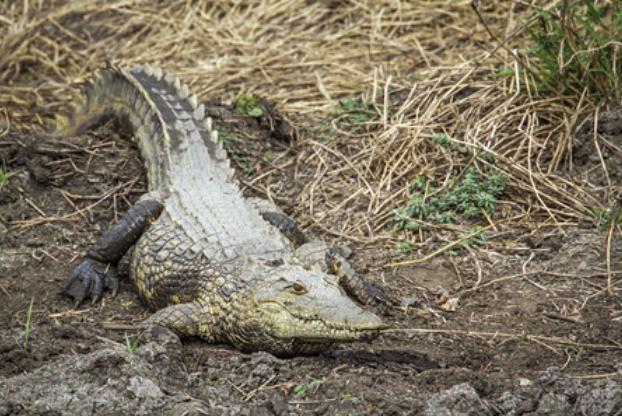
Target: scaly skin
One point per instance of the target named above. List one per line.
(210, 262)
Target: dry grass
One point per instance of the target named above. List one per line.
(428, 67)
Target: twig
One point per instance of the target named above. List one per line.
(527, 337)
(441, 250)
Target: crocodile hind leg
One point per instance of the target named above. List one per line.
(97, 270)
(277, 218)
(322, 257)
(184, 319)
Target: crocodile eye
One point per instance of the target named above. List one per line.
(298, 288)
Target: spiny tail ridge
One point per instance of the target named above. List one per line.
(168, 123)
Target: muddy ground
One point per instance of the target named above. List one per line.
(536, 335)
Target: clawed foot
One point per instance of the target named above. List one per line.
(89, 279)
(380, 296)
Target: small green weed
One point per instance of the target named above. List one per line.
(301, 390)
(470, 197)
(445, 141)
(505, 72)
(131, 344)
(405, 247)
(605, 217)
(3, 177)
(250, 105)
(577, 353)
(475, 241)
(355, 113)
(320, 130)
(576, 48)
(27, 325)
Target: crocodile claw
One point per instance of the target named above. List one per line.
(89, 279)
(380, 296)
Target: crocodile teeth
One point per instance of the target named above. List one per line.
(183, 91)
(177, 83)
(208, 124)
(157, 72)
(214, 135)
(199, 113)
(193, 100)
(148, 69)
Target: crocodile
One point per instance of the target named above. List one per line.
(208, 261)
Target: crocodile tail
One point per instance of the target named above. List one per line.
(169, 126)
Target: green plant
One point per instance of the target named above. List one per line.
(419, 183)
(576, 48)
(577, 353)
(445, 141)
(301, 390)
(604, 218)
(250, 105)
(27, 325)
(3, 176)
(505, 72)
(131, 344)
(444, 217)
(472, 196)
(355, 113)
(476, 240)
(405, 247)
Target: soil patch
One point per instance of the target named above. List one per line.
(533, 308)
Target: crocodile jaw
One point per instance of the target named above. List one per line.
(356, 325)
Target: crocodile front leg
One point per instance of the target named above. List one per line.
(322, 257)
(97, 270)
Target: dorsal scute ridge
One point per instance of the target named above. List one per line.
(169, 78)
(148, 70)
(157, 73)
(183, 91)
(132, 90)
(193, 101)
(199, 113)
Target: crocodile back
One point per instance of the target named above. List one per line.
(184, 159)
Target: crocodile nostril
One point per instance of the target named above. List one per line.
(274, 263)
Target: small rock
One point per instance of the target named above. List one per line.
(346, 406)
(262, 411)
(143, 388)
(279, 405)
(460, 400)
(410, 301)
(606, 400)
(4, 232)
(554, 404)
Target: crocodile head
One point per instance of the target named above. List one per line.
(295, 311)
